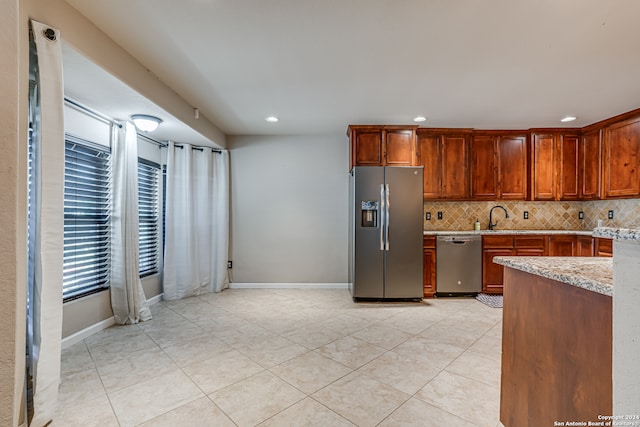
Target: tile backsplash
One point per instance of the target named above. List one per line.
(460, 216)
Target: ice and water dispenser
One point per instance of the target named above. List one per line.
(369, 214)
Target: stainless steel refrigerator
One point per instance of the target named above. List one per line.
(385, 245)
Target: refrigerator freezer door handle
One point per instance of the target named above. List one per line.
(386, 217)
(382, 217)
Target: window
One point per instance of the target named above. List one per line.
(87, 208)
(148, 201)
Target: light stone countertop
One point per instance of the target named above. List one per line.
(591, 273)
(514, 232)
(631, 234)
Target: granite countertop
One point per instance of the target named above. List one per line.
(632, 234)
(514, 232)
(591, 273)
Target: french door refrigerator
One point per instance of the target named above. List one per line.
(385, 245)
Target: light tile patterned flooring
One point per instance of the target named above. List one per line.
(289, 357)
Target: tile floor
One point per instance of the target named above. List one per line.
(278, 357)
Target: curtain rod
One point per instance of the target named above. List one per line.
(160, 144)
(110, 120)
(90, 112)
(199, 148)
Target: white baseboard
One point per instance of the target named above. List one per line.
(97, 327)
(235, 285)
(155, 300)
(87, 332)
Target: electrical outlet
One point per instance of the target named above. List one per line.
(439, 215)
(526, 214)
(229, 264)
(580, 215)
(610, 216)
(428, 216)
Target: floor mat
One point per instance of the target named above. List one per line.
(494, 301)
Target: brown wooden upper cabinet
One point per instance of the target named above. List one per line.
(499, 166)
(555, 167)
(591, 165)
(445, 160)
(382, 145)
(621, 150)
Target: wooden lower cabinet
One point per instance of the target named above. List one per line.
(493, 246)
(492, 273)
(534, 245)
(562, 245)
(603, 247)
(429, 266)
(584, 246)
(530, 245)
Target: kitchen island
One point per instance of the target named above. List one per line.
(556, 341)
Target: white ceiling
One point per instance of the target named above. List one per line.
(321, 65)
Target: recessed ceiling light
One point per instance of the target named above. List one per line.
(567, 119)
(271, 119)
(419, 119)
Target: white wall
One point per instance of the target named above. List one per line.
(289, 215)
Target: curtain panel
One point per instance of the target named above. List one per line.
(46, 304)
(197, 221)
(128, 301)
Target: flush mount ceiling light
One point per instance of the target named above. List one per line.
(419, 119)
(272, 119)
(567, 119)
(146, 123)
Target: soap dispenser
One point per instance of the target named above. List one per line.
(476, 225)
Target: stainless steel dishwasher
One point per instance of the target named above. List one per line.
(458, 265)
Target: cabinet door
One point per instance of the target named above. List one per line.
(429, 278)
(591, 165)
(428, 154)
(568, 167)
(543, 171)
(603, 247)
(492, 280)
(512, 167)
(531, 245)
(622, 145)
(455, 176)
(368, 148)
(584, 246)
(399, 147)
(484, 178)
(561, 245)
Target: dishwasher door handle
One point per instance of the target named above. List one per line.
(457, 239)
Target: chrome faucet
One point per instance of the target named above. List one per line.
(491, 223)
